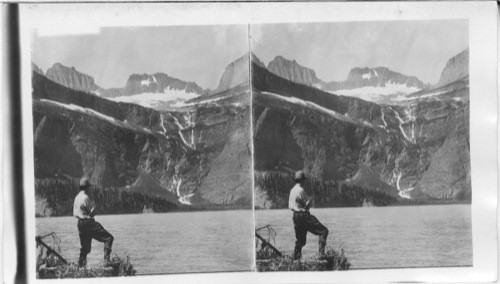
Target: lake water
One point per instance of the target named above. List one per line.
(169, 242)
(386, 237)
(215, 241)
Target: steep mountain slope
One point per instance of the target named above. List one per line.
(456, 69)
(35, 68)
(237, 72)
(160, 154)
(293, 71)
(380, 148)
(379, 85)
(157, 90)
(158, 83)
(374, 77)
(368, 179)
(71, 78)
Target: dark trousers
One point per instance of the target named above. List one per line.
(89, 229)
(305, 222)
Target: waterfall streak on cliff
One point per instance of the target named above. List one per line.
(383, 118)
(186, 199)
(178, 189)
(409, 112)
(403, 192)
(162, 124)
(401, 127)
(180, 132)
(191, 123)
(193, 145)
(176, 183)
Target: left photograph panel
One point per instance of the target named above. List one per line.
(142, 151)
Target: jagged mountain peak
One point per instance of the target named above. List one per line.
(456, 68)
(382, 75)
(256, 60)
(293, 71)
(374, 84)
(58, 65)
(72, 78)
(245, 57)
(36, 69)
(158, 83)
(237, 72)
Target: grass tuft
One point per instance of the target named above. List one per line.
(51, 269)
(332, 260)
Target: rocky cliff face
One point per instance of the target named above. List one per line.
(36, 69)
(374, 77)
(71, 78)
(106, 141)
(150, 90)
(456, 68)
(185, 154)
(382, 149)
(379, 85)
(354, 151)
(157, 83)
(293, 71)
(237, 72)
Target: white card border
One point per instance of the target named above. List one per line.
(483, 34)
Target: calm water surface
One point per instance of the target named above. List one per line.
(386, 237)
(376, 237)
(184, 242)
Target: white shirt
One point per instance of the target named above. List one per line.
(299, 200)
(83, 207)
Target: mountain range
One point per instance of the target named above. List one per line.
(194, 147)
(380, 84)
(150, 90)
(418, 148)
(136, 150)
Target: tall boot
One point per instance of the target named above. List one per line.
(82, 261)
(322, 246)
(107, 257)
(322, 254)
(297, 253)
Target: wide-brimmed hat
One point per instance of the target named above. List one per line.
(300, 175)
(84, 182)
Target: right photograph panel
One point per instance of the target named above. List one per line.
(361, 145)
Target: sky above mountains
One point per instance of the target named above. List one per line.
(197, 54)
(200, 54)
(414, 48)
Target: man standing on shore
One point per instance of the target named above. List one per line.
(88, 228)
(300, 202)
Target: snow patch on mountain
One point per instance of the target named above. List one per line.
(314, 106)
(152, 100)
(318, 86)
(95, 113)
(371, 93)
(405, 98)
(145, 82)
(181, 104)
(367, 76)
